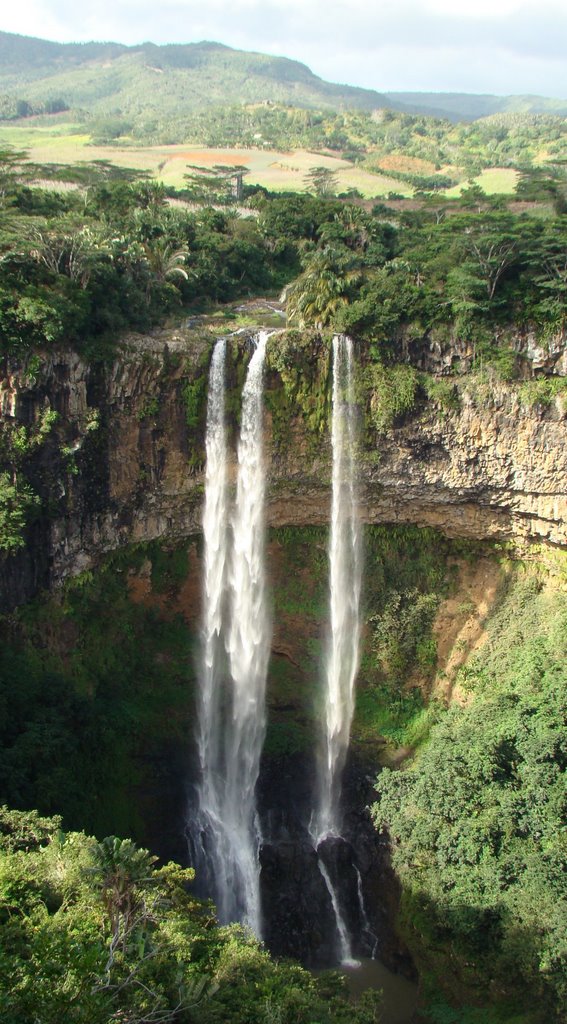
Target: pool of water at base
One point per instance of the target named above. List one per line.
(400, 994)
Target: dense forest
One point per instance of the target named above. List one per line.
(117, 252)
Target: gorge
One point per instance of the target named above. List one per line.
(454, 487)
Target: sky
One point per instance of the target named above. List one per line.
(484, 46)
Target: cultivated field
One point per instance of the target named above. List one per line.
(493, 181)
(277, 171)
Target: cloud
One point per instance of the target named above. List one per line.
(472, 45)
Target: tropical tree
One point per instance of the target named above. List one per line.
(121, 871)
(166, 261)
(328, 282)
(68, 252)
(220, 184)
(322, 181)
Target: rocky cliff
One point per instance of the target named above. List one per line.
(122, 462)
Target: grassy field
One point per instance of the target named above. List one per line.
(493, 181)
(277, 171)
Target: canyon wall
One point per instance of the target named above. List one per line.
(123, 461)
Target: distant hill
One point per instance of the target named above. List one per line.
(109, 79)
(460, 106)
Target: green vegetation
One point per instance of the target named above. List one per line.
(17, 501)
(477, 271)
(98, 687)
(302, 362)
(407, 574)
(93, 932)
(542, 391)
(81, 269)
(83, 265)
(392, 393)
(477, 821)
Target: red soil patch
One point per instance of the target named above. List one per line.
(210, 158)
(406, 164)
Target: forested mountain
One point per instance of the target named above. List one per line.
(109, 78)
(103, 77)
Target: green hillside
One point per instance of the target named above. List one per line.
(108, 78)
(56, 99)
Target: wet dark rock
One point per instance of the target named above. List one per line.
(299, 920)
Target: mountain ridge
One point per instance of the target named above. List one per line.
(207, 74)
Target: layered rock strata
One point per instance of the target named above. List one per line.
(123, 465)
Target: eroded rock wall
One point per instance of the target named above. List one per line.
(123, 462)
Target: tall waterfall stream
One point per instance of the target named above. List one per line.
(345, 574)
(236, 634)
(342, 648)
(232, 719)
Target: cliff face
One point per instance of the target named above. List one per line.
(486, 471)
(123, 463)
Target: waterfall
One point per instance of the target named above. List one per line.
(248, 645)
(345, 952)
(224, 834)
(364, 916)
(345, 572)
(341, 654)
(205, 828)
(215, 537)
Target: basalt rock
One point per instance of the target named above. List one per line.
(124, 461)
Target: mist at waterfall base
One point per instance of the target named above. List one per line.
(276, 861)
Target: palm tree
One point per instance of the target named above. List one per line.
(165, 260)
(121, 870)
(325, 285)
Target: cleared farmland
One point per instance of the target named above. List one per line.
(276, 170)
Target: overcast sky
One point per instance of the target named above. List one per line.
(499, 46)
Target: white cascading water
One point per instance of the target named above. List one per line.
(365, 919)
(231, 728)
(248, 646)
(342, 653)
(215, 537)
(206, 830)
(345, 575)
(345, 951)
